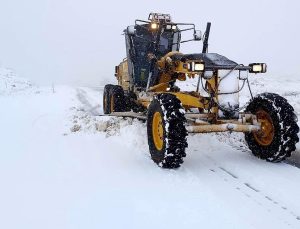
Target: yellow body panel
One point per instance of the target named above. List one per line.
(159, 87)
(169, 67)
(123, 75)
(190, 101)
(187, 100)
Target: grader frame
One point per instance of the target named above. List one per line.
(147, 90)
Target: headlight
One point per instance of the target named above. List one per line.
(194, 66)
(199, 67)
(258, 68)
(154, 25)
(171, 27)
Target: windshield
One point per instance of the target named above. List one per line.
(169, 41)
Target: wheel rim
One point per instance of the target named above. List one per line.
(266, 135)
(158, 131)
(112, 103)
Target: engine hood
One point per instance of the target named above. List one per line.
(210, 59)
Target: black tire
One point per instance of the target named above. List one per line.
(174, 132)
(285, 128)
(106, 98)
(118, 102)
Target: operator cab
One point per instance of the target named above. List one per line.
(169, 38)
(156, 38)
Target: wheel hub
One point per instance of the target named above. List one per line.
(266, 135)
(158, 131)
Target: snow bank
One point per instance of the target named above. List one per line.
(10, 82)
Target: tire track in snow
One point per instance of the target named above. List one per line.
(82, 96)
(236, 141)
(254, 194)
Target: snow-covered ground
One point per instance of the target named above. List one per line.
(63, 166)
(11, 83)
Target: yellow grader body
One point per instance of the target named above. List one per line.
(147, 90)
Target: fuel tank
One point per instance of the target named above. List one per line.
(228, 96)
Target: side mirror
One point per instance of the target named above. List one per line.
(197, 35)
(131, 30)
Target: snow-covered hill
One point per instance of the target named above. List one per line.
(11, 83)
(63, 166)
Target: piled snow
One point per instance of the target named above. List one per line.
(85, 115)
(11, 83)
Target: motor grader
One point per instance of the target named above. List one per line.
(147, 90)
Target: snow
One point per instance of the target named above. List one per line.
(218, 59)
(11, 83)
(100, 174)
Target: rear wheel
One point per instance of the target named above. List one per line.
(166, 131)
(106, 98)
(117, 99)
(278, 135)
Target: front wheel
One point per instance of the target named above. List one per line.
(166, 131)
(278, 135)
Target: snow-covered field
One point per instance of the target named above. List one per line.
(11, 83)
(63, 166)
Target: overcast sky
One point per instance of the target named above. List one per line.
(80, 41)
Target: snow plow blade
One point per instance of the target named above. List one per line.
(128, 114)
